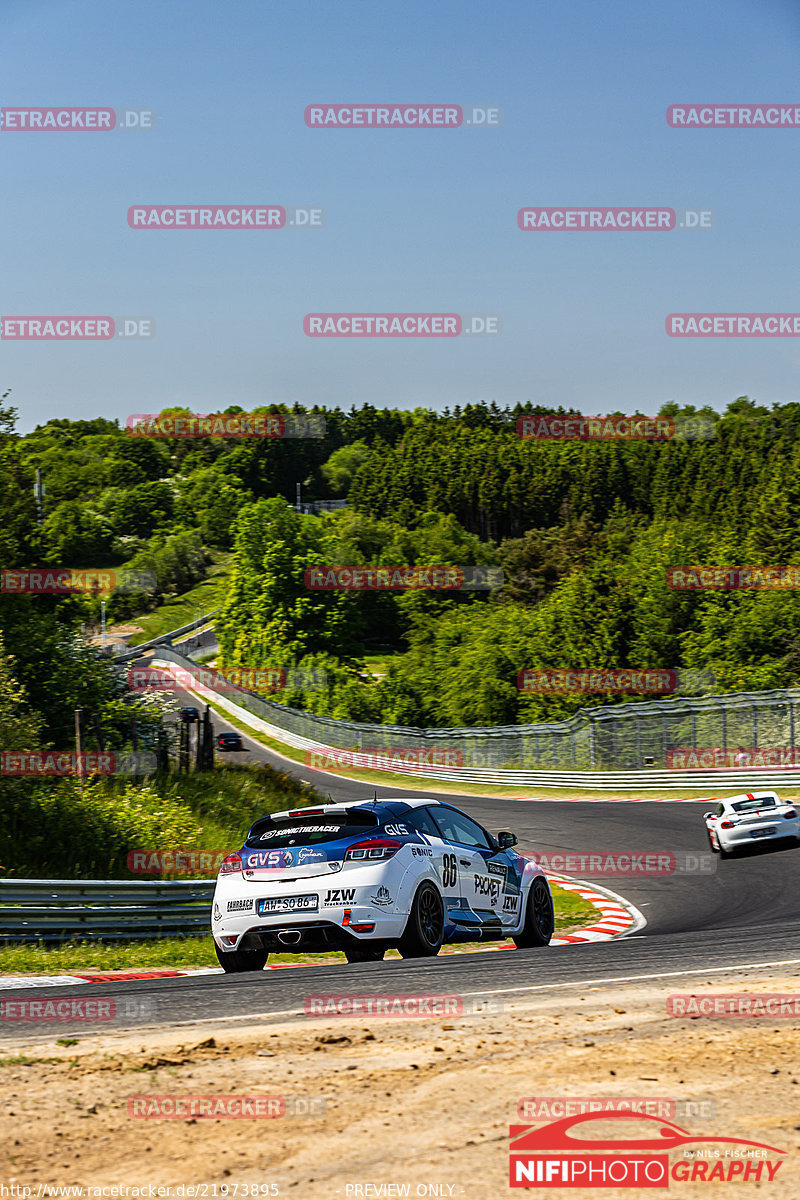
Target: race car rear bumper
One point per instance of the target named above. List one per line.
(306, 935)
(778, 830)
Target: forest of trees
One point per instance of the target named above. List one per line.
(583, 531)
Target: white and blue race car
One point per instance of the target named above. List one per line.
(370, 875)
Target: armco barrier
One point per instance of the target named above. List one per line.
(55, 910)
(165, 639)
(510, 755)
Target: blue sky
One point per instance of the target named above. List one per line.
(421, 221)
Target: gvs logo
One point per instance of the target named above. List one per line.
(269, 858)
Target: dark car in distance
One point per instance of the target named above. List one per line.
(229, 741)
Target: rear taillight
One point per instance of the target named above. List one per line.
(790, 815)
(727, 825)
(372, 850)
(231, 864)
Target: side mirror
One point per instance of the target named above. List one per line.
(506, 840)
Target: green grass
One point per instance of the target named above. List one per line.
(206, 595)
(101, 823)
(158, 954)
(183, 953)
(378, 664)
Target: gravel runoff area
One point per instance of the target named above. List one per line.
(423, 1105)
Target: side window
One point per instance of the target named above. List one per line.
(456, 827)
(720, 810)
(421, 819)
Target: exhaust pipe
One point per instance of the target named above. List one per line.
(289, 937)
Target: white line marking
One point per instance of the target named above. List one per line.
(541, 987)
(33, 981)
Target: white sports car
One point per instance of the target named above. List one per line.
(365, 876)
(754, 816)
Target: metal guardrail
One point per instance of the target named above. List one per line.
(165, 639)
(56, 910)
(574, 753)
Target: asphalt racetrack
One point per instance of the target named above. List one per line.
(746, 913)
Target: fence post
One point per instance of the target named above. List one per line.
(664, 737)
(183, 748)
(791, 726)
(79, 744)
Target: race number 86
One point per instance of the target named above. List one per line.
(449, 871)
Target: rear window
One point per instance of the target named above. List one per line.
(271, 833)
(751, 805)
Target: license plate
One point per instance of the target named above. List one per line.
(763, 832)
(282, 904)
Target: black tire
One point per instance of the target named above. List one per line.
(539, 917)
(370, 952)
(424, 932)
(249, 958)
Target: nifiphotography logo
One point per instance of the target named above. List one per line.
(555, 1155)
